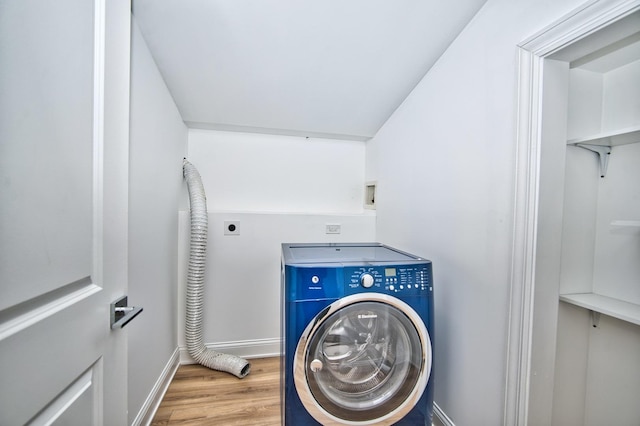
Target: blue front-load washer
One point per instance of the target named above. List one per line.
(357, 331)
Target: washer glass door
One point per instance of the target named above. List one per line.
(364, 362)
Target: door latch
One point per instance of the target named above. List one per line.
(121, 314)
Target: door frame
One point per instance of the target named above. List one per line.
(114, 170)
(523, 358)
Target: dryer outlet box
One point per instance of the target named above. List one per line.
(231, 227)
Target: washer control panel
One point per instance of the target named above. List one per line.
(392, 279)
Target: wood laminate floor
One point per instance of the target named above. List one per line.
(200, 396)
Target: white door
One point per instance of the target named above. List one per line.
(64, 99)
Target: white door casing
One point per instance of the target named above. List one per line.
(528, 401)
(64, 119)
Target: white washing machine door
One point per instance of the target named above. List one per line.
(365, 359)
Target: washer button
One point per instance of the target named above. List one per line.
(366, 280)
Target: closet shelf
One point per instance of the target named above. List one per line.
(625, 311)
(610, 138)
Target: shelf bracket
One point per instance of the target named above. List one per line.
(603, 152)
(595, 318)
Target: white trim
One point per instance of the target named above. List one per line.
(151, 404)
(577, 24)
(581, 22)
(258, 348)
(82, 386)
(524, 235)
(442, 416)
(34, 313)
(99, 47)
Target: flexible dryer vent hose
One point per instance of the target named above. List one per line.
(195, 283)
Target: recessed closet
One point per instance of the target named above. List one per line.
(597, 368)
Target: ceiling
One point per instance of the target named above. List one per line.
(324, 68)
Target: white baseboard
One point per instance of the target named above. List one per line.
(259, 348)
(151, 404)
(441, 417)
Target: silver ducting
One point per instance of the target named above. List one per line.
(195, 283)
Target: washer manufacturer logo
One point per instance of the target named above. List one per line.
(367, 316)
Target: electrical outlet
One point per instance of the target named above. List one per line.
(333, 228)
(231, 227)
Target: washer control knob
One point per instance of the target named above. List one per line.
(366, 280)
(316, 365)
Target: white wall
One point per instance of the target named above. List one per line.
(259, 172)
(616, 265)
(597, 374)
(603, 101)
(281, 189)
(613, 376)
(158, 141)
(242, 280)
(585, 104)
(621, 97)
(445, 167)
